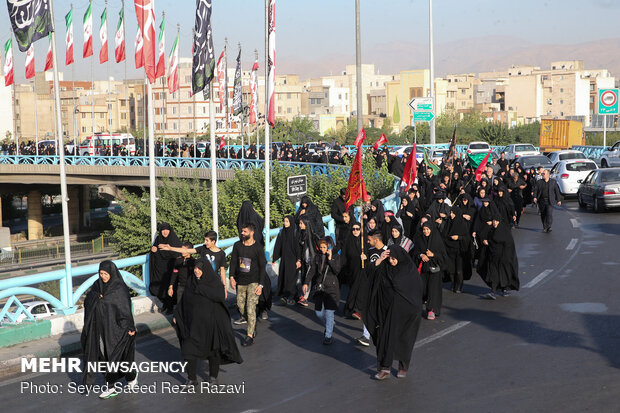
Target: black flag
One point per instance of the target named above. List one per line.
(203, 66)
(238, 92)
(31, 21)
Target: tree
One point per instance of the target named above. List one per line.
(396, 114)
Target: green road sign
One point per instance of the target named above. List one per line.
(423, 116)
(425, 107)
(608, 102)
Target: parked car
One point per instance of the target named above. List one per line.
(406, 149)
(518, 150)
(38, 309)
(601, 189)
(568, 173)
(528, 162)
(611, 156)
(438, 155)
(478, 147)
(557, 156)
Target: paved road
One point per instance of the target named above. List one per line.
(553, 346)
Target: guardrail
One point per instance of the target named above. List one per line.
(592, 152)
(66, 304)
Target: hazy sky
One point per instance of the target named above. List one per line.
(314, 30)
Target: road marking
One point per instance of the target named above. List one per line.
(572, 244)
(440, 334)
(538, 278)
(574, 222)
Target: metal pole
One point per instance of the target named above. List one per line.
(152, 182)
(66, 293)
(107, 105)
(36, 121)
(146, 89)
(358, 66)
(75, 151)
(179, 93)
(605, 131)
(267, 145)
(213, 158)
(92, 95)
(432, 66)
(125, 64)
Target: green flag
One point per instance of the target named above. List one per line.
(396, 114)
(476, 158)
(430, 164)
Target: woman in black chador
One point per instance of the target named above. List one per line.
(458, 244)
(394, 311)
(503, 267)
(311, 212)
(203, 323)
(109, 330)
(286, 250)
(248, 215)
(161, 264)
(429, 253)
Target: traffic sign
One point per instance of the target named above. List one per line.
(296, 185)
(608, 102)
(425, 104)
(419, 116)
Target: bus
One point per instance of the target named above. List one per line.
(97, 144)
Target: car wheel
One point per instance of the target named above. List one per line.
(597, 207)
(604, 163)
(580, 201)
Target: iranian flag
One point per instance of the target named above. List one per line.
(271, 69)
(8, 63)
(139, 54)
(49, 60)
(253, 93)
(173, 67)
(103, 36)
(146, 21)
(221, 79)
(87, 51)
(69, 38)
(30, 62)
(119, 38)
(160, 71)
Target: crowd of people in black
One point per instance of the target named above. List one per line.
(385, 268)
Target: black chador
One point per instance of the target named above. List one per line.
(503, 267)
(107, 323)
(161, 264)
(248, 215)
(286, 250)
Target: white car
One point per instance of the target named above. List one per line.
(478, 147)
(438, 155)
(406, 149)
(611, 156)
(569, 173)
(518, 150)
(557, 156)
(38, 309)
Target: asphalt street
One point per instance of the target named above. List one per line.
(554, 346)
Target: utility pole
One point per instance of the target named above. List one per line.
(358, 66)
(432, 67)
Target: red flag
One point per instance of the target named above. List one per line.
(30, 62)
(382, 141)
(49, 61)
(411, 169)
(357, 187)
(146, 21)
(160, 70)
(139, 57)
(361, 137)
(222, 144)
(481, 168)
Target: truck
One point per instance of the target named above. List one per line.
(558, 134)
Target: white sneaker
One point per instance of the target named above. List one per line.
(111, 392)
(134, 383)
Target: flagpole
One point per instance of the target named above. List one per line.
(267, 146)
(66, 283)
(195, 126)
(358, 64)
(362, 226)
(179, 91)
(144, 117)
(92, 95)
(107, 106)
(75, 151)
(125, 91)
(225, 103)
(213, 158)
(432, 67)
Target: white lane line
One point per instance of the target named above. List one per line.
(572, 243)
(440, 334)
(574, 222)
(538, 278)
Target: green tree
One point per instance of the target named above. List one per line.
(396, 114)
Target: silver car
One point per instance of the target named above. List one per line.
(601, 189)
(518, 150)
(611, 156)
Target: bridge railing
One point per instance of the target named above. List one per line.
(592, 152)
(13, 287)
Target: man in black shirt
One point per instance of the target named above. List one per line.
(546, 194)
(247, 273)
(503, 162)
(210, 251)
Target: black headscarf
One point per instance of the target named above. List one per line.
(248, 215)
(162, 262)
(433, 242)
(312, 214)
(172, 239)
(405, 277)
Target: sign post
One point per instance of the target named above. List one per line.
(296, 186)
(423, 109)
(607, 105)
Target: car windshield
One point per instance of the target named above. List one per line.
(440, 153)
(535, 160)
(478, 146)
(580, 166)
(572, 155)
(524, 148)
(610, 176)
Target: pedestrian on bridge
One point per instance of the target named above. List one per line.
(286, 250)
(161, 264)
(109, 329)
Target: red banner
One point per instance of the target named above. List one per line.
(482, 167)
(382, 141)
(357, 187)
(411, 169)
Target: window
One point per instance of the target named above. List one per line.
(326, 95)
(288, 95)
(83, 129)
(561, 101)
(561, 90)
(189, 109)
(139, 111)
(174, 110)
(289, 110)
(123, 116)
(313, 101)
(279, 109)
(190, 125)
(83, 115)
(123, 103)
(174, 125)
